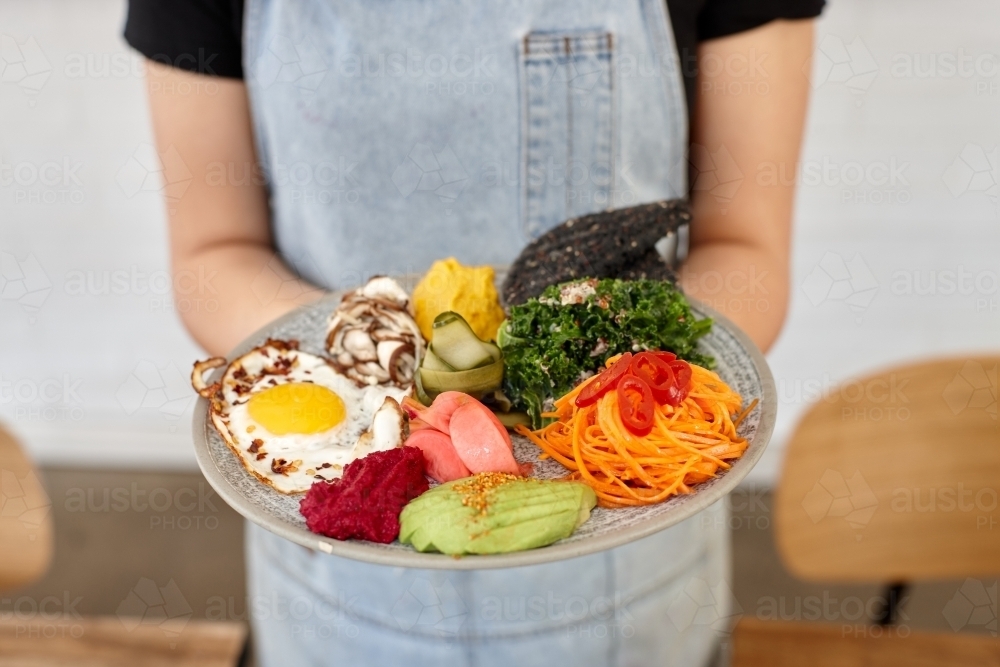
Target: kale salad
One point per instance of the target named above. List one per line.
(553, 342)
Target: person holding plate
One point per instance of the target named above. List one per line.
(319, 143)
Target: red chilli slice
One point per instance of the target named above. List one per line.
(655, 372)
(682, 371)
(636, 404)
(604, 382)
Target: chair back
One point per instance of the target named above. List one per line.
(25, 518)
(896, 477)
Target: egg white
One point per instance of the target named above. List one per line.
(291, 463)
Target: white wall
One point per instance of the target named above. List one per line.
(100, 378)
(937, 125)
(108, 370)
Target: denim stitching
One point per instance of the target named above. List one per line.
(542, 56)
(661, 39)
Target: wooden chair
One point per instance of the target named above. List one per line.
(26, 549)
(25, 518)
(893, 479)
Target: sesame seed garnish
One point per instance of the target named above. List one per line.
(475, 491)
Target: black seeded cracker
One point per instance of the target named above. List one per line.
(648, 267)
(610, 244)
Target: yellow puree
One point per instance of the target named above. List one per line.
(466, 290)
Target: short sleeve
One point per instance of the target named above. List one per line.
(719, 18)
(203, 36)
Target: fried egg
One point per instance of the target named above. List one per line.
(292, 419)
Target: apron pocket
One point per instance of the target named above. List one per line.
(568, 128)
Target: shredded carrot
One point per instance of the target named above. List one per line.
(688, 444)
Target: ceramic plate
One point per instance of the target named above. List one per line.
(738, 362)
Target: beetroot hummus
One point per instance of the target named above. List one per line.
(365, 503)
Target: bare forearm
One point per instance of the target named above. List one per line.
(746, 284)
(240, 288)
(739, 257)
(228, 277)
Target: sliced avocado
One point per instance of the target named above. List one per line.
(531, 534)
(588, 501)
(436, 528)
(431, 502)
(520, 514)
(526, 504)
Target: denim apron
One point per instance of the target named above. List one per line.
(397, 132)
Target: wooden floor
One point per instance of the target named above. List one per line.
(109, 642)
(801, 644)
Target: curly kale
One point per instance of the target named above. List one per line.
(559, 339)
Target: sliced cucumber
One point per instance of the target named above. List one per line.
(457, 360)
(421, 394)
(512, 419)
(455, 343)
(433, 362)
(475, 381)
(497, 401)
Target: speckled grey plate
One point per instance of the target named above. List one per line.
(738, 362)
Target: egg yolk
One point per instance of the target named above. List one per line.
(296, 407)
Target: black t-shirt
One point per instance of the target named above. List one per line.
(205, 36)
